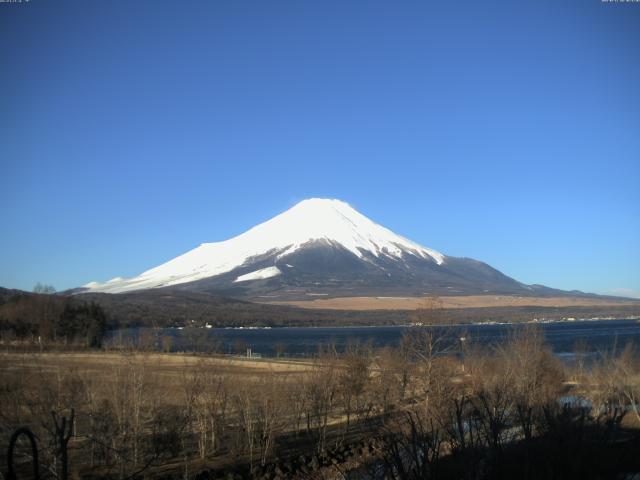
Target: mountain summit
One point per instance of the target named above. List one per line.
(319, 247)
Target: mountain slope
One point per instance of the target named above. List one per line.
(320, 247)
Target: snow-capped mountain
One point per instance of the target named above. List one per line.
(318, 247)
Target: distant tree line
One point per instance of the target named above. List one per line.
(44, 318)
(178, 308)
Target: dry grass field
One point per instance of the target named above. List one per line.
(167, 370)
(470, 301)
(129, 414)
(112, 391)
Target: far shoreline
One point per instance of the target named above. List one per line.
(405, 325)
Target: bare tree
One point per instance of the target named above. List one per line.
(63, 429)
(627, 376)
(46, 289)
(129, 400)
(322, 390)
(392, 376)
(411, 446)
(167, 343)
(353, 379)
(246, 410)
(279, 348)
(271, 410)
(535, 375)
(492, 400)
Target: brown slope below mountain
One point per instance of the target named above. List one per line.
(447, 302)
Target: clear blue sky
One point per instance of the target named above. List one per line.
(132, 131)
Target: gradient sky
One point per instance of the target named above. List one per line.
(132, 131)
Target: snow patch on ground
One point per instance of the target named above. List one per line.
(259, 274)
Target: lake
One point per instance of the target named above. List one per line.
(595, 335)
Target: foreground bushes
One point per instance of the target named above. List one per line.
(435, 412)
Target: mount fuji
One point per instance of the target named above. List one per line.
(324, 248)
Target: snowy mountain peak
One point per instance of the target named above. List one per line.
(309, 221)
(337, 222)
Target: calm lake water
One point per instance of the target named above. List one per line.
(596, 335)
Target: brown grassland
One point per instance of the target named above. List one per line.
(469, 301)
